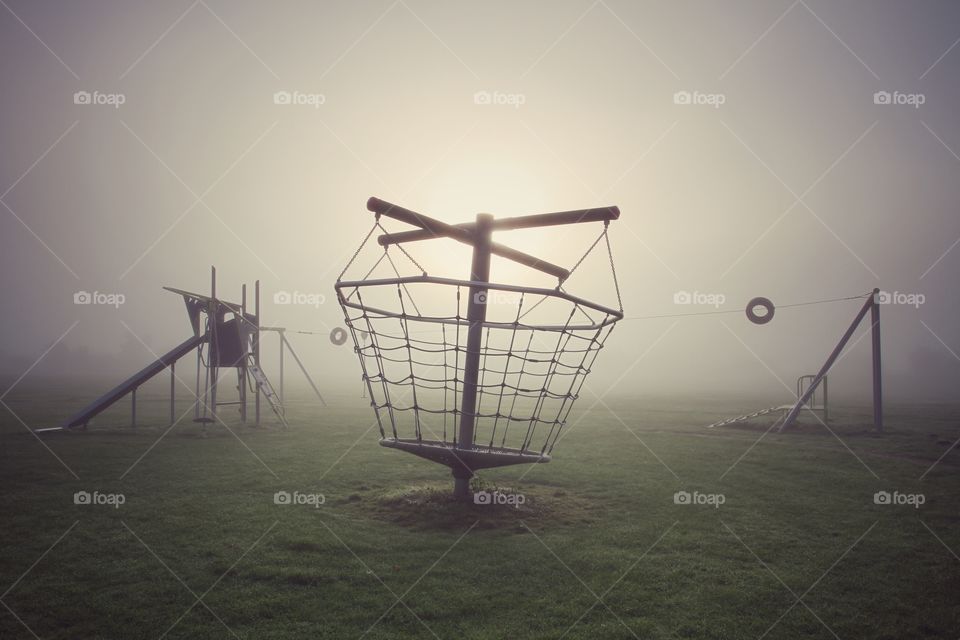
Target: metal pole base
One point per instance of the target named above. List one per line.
(461, 487)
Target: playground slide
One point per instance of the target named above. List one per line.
(134, 381)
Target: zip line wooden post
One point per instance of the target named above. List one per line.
(283, 344)
(877, 375)
(173, 377)
(870, 305)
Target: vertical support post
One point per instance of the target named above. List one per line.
(213, 361)
(196, 405)
(256, 349)
(476, 316)
(805, 398)
(877, 375)
(283, 344)
(244, 345)
(826, 404)
(173, 376)
(133, 407)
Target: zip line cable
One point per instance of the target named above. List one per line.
(674, 315)
(719, 312)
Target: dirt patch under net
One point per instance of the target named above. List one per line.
(432, 506)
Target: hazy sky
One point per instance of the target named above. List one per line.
(745, 143)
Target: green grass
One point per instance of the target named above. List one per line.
(600, 519)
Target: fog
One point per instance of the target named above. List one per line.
(745, 143)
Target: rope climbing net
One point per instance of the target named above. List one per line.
(515, 385)
(529, 374)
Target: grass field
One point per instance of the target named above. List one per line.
(599, 548)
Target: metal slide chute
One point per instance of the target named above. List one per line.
(130, 384)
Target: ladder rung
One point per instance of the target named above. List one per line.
(264, 387)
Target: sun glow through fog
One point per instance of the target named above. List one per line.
(503, 188)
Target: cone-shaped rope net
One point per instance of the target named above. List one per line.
(410, 334)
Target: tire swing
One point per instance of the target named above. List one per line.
(764, 303)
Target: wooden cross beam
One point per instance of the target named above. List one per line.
(430, 228)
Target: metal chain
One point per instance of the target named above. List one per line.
(405, 252)
(586, 253)
(613, 268)
(376, 223)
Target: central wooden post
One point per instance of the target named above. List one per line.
(476, 316)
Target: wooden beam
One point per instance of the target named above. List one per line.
(437, 229)
(602, 214)
(877, 367)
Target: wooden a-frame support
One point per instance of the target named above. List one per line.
(872, 305)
